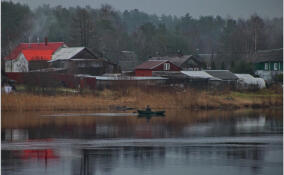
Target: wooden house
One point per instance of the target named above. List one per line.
(81, 60)
(31, 56)
(268, 63)
(147, 68)
(185, 62)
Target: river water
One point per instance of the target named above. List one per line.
(114, 142)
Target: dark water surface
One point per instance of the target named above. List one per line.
(181, 143)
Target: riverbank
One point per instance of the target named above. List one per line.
(139, 98)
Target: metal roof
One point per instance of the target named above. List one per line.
(120, 77)
(199, 74)
(222, 74)
(66, 53)
(150, 64)
(35, 51)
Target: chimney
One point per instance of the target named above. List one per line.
(179, 53)
(29, 41)
(45, 41)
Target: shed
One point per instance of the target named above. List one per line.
(200, 74)
(146, 68)
(228, 79)
(117, 81)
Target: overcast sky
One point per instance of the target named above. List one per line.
(224, 8)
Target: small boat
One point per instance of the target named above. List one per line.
(147, 112)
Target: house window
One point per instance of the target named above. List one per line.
(266, 66)
(167, 66)
(275, 66)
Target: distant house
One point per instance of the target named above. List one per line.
(127, 61)
(81, 60)
(146, 68)
(185, 62)
(268, 63)
(31, 56)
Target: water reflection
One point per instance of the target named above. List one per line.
(206, 159)
(250, 159)
(182, 142)
(183, 124)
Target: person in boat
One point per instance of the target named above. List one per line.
(148, 109)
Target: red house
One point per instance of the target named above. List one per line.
(31, 56)
(146, 68)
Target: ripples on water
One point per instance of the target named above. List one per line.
(182, 142)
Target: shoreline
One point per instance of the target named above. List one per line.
(138, 98)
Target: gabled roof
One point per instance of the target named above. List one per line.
(73, 53)
(35, 51)
(32, 55)
(151, 64)
(66, 53)
(179, 60)
(222, 74)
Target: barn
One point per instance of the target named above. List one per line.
(147, 68)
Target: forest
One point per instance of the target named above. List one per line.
(109, 31)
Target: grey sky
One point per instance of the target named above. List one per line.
(224, 8)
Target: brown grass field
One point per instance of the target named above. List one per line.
(139, 98)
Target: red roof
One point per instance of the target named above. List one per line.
(151, 64)
(35, 51)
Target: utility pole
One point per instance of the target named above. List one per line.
(255, 41)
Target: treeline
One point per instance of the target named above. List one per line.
(110, 31)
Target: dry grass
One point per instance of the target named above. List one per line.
(139, 98)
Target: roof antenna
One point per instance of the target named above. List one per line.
(45, 41)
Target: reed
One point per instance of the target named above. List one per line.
(139, 98)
